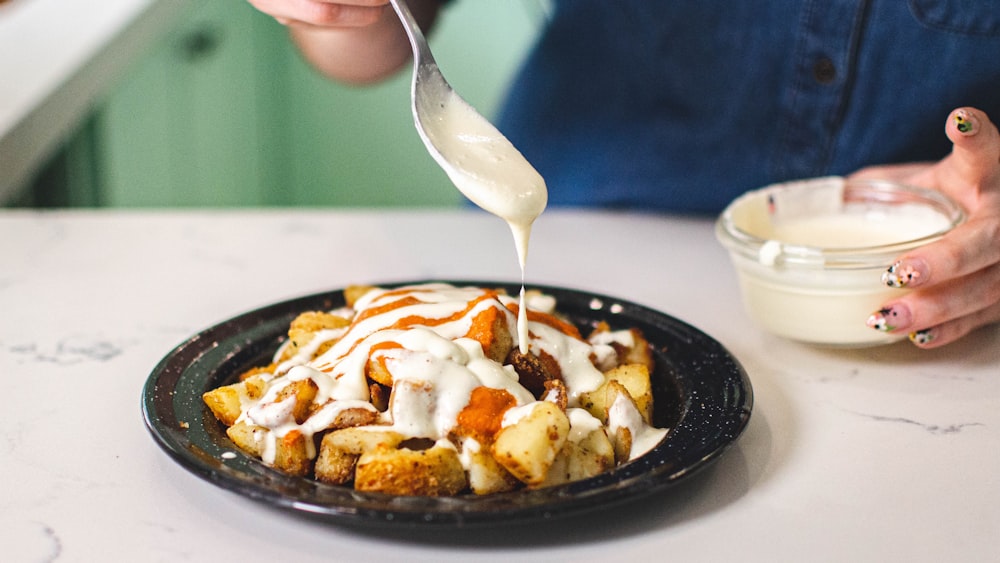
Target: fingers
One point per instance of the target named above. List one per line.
(951, 331)
(969, 248)
(323, 13)
(942, 313)
(956, 280)
(971, 173)
(976, 152)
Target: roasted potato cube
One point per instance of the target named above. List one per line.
(304, 391)
(335, 466)
(630, 345)
(485, 475)
(305, 327)
(588, 452)
(376, 368)
(628, 429)
(633, 379)
(357, 440)
(334, 415)
(226, 402)
(622, 444)
(528, 447)
(293, 454)
(248, 437)
(436, 471)
(339, 451)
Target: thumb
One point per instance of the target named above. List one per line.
(973, 167)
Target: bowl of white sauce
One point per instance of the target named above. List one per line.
(810, 254)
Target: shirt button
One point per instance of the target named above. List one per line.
(824, 71)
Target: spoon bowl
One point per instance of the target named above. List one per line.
(478, 159)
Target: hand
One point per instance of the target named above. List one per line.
(956, 280)
(352, 41)
(323, 13)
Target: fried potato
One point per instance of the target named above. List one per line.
(587, 453)
(528, 447)
(357, 440)
(248, 437)
(436, 471)
(630, 345)
(293, 454)
(226, 402)
(340, 449)
(633, 379)
(484, 473)
(305, 327)
(335, 466)
(303, 391)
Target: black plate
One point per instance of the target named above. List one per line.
(700, 392)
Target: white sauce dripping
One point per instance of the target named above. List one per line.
(492, 173)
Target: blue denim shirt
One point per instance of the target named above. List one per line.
(682, 105)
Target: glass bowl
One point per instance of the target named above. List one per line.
(809, 255)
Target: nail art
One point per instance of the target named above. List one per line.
(887, 319)
(924, 336)
(963, 122)
(900, 275)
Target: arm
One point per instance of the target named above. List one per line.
(956, 281)
(353, 41)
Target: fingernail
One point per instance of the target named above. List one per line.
(965, 122)
(889, 318)
(925, 336)
(905, 273)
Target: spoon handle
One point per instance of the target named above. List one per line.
(421, 50)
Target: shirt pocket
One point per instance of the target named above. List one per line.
(967, 17)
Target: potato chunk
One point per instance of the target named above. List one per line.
(528, 447)
(226, 402)
(632, 378)
(436, 471)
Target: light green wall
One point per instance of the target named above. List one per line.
(243, 121)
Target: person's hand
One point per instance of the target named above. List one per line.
(323, 13)
(956, 280)
(353, 41)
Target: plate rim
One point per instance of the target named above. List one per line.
(623, 484)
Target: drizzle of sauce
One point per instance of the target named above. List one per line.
(421, 335)
(487, 168)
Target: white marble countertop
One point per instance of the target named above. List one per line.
(882, 454)
(59, 58)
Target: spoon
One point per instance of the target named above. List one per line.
(478, 159)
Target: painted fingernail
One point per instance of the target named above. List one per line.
(904, 274)
(889, 318)
(925, 336)
(965, 122)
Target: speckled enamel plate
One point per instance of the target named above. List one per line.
(701, 394)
